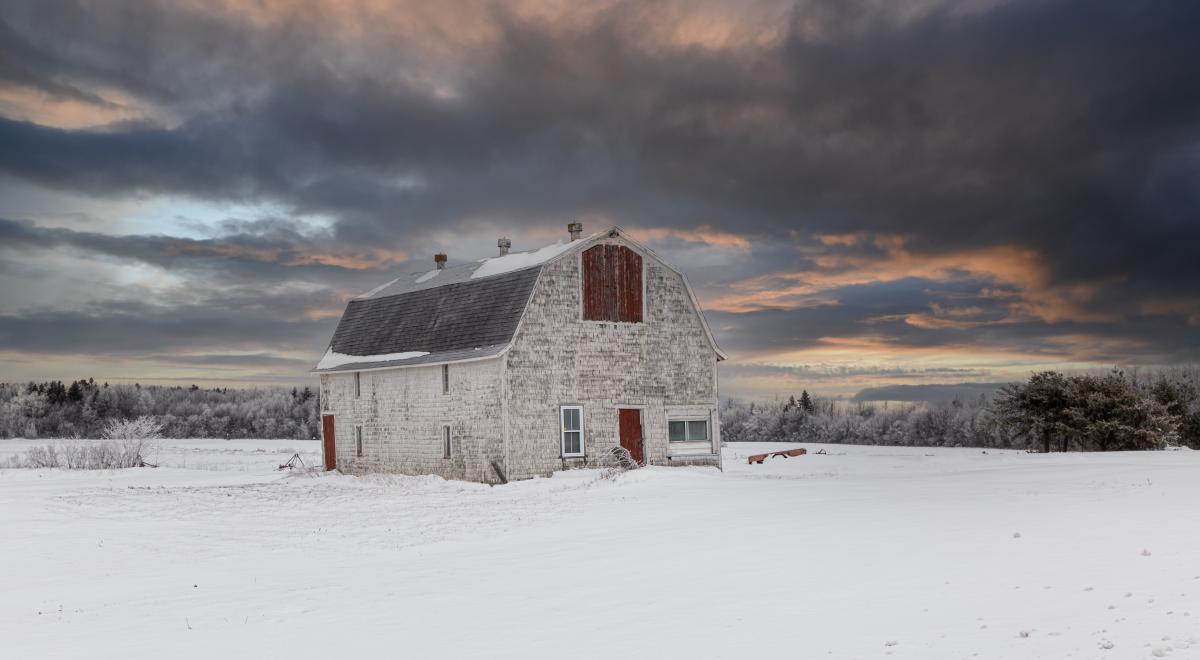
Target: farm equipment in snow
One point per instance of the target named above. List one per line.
(787, 453)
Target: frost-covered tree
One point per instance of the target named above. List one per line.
(1051, 411)
(49, 410)
(1035, 409)
(1087, 412)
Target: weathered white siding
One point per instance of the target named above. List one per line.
(402, 412)
(665, 366)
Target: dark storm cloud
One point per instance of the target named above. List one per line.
(237, 360)
(1056, 125)
(153, 329)
(258, 254)
(904, 316)
(1064, 128)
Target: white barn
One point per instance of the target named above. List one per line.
(523, 364)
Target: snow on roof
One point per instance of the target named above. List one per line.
(473, 270)
(379, 288)
(333, 359)
(519, 260)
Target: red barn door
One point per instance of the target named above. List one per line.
(631, 432)
(612, 284)
(328, 445)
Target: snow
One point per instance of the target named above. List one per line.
(213, 454)
(866, 552)
(519, 260)
(379, 288)
(428, 276)
(333, 359)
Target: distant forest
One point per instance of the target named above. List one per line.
(1049, 412)
(79, 409)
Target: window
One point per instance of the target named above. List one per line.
(445, 379)
(446, 441)
(688, 430)
(572, 430)
(357, 384)
(358, 441)
(612, 284)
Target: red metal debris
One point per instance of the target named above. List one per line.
(759, 458)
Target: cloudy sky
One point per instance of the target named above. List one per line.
(863, 192)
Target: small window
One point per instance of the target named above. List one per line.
(690, 430)
(357, 384)
(446, 442)
(445, 379)
(358, 441)
(572, 430)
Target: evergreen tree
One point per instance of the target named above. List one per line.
(806, 403)
(56, 393)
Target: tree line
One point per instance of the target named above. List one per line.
(1049, 412)
(55, 409)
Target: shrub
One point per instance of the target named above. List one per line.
(127, 443)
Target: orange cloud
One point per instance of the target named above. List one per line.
(892, 259)
(1188, 307)
(359, 259)
(39, 107)
(702, 234)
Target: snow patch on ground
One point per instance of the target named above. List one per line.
(519, 260)
(333, 359)
(860, 552)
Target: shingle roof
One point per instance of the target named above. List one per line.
(455, 321)
(470, 270)
(465, 312)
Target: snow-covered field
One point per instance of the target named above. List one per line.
(867, 552)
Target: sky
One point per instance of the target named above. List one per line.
(864, 193)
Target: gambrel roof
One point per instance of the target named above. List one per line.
(466, 312)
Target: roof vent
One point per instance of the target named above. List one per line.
(440, 260)
(576, 230)
(504, 244)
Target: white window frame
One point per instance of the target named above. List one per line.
(358, 441)
(685, 420)
(562, 435)
(446, 451)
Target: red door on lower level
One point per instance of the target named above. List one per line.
(328, 446)
(631, 432)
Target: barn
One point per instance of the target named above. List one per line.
(523, 364)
